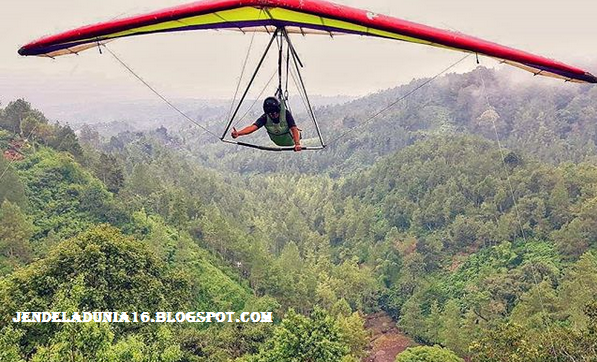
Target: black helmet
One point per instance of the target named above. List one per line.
(271, 105)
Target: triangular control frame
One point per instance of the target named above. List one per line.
(281, 35)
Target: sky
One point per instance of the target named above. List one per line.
(207, 64)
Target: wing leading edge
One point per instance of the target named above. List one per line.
(300, 16)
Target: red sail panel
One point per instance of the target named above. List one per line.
(305, 16)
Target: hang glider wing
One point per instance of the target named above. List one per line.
(300, 16)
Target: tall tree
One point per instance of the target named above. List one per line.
(428, 354)
(411, 317)
(450, 333)
(15, 231)
(299, 338)
(10, 350)
(508, 343)
(14, 113)
(11, 187)
(110, 172)
(99, 270)
(89, 136)
(65, 139)
(577, 289)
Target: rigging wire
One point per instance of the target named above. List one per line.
(389, 106)
(258, 97)
(287, 69)
(333, 141)
(156, 92)
(13, 160)
(280, 37)
(296, 61)
(518, 218)
(242, 73)
(300, 93)
(265, 53)
(256, 100)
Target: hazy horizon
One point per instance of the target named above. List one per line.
(206, 65)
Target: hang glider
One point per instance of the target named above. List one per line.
(296, 16)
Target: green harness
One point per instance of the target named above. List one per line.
(279, 133)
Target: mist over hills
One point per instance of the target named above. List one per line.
(522, 111)
(148, 114)
(417, 215)
(554, 121)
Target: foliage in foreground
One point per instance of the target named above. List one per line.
(460, 243)
(428, 354)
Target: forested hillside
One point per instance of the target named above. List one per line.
(487, 252)
(552, 121)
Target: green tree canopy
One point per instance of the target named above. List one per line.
(15, 231)
(304, 339)
(428, 354)
(99, 270)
